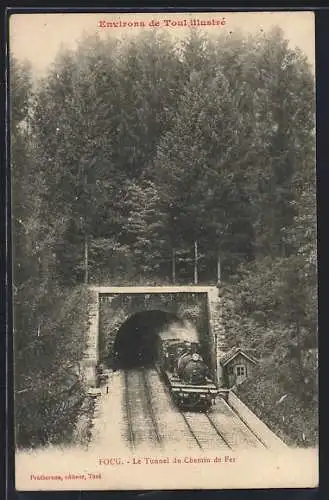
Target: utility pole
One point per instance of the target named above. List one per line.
(218, 270)
(174, 265)
(217, 346)
(195, 262)
(86, 258)
(86, 270)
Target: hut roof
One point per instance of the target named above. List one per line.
(232, 353)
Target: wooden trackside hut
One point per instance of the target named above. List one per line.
(237, 365)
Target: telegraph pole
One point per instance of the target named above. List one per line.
(174, 265)
(218, 270)
(195, 262)
(217, 349)
(86, 270)
(86, 257)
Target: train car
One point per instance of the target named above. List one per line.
(186, 374)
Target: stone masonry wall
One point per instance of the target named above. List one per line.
(108, 311)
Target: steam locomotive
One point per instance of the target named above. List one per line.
(186, 374)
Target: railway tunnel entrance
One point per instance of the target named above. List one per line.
(128, 322)
(136, 341)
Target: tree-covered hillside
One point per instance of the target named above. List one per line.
(129, 152)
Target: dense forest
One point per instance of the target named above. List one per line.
(127, 153)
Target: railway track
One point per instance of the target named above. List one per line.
(192, 432)
(204, 431)
(148, 399)
(235, 432)
(154, 421)
(142, 427)
(219, 434)
(131, 435)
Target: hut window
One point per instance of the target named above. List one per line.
(240, 370)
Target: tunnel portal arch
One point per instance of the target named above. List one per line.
(118, 305)
(136, 340)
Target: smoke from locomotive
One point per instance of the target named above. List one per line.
(184, 330)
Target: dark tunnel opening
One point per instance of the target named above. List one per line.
(137, 339)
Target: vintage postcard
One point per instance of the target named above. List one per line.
(164, 250)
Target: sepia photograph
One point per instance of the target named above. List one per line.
(164, 248)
